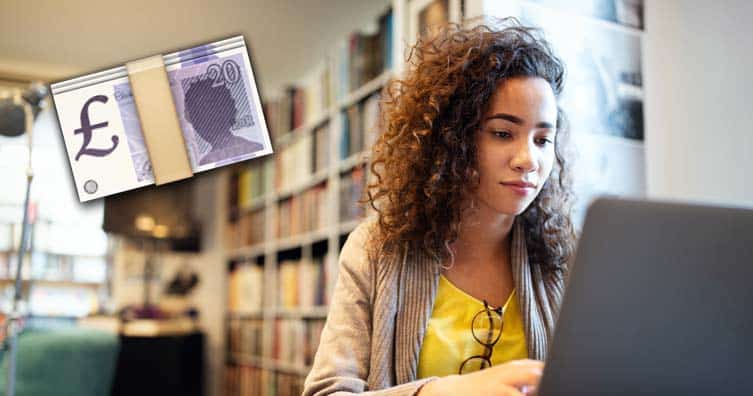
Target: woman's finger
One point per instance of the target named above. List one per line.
(520, 375)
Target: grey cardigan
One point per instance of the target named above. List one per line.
(379, 313)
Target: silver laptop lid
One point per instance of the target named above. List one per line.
(659, 301)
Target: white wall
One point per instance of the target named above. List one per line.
(698, 68)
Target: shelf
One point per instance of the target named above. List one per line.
(366, 89)
(353, 161)
(354, 97)
(270, 364)
(301, 239)
(313, 180)
(256, 203)
(289, 242)
(248, 251)
(310, 243)
(256, 314)
(290, 136)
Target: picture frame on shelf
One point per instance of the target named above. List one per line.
(425, 16)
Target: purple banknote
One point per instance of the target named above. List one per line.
(217, 105)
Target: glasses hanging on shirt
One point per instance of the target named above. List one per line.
(486, 328)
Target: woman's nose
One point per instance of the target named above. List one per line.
(524, 160)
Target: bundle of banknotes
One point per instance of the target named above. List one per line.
(112, 141)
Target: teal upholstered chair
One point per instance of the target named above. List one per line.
(63, 362)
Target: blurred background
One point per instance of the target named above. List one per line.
(657, 95)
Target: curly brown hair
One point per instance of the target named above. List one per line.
(425, 161)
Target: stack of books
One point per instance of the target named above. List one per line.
(359, 128)
(302, 282)
(245, 337)
(245, 288)
(352, 187)
(301, 213)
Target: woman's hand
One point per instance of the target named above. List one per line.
(518, 378)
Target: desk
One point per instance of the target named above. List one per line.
(160, 366)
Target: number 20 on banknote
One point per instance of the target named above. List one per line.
(161, 119)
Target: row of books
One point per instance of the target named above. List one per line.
(245, 288)
(306, 155)
(320, 145)
(366, 55)
(302, 283)
(359, 126)
(245, 337)
(252, 182)
(294, 163)
(247, 380)
(243, 380)
(301, 103)
(352, 186)
(296, 340)
(303, 213)
(309, 153)
(246, 229)
(359, 58)
(305, 283)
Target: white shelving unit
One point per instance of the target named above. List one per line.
(330, 234)
(268, 248)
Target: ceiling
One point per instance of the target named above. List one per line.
(53, 39)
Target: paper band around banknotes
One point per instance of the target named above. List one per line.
(159, 120)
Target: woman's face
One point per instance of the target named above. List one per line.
(516, 144)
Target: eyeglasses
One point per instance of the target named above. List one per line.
(486, 328)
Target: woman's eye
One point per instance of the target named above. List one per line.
(543, 141)
(501, 134)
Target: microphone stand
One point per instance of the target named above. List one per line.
(13, 328)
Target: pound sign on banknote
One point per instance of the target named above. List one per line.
(87, 129)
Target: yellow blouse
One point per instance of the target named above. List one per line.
(448, 340)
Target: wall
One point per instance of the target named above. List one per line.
(699, 91)
(210, 198)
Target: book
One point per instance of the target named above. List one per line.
(245, 288)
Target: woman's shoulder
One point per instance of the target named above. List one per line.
(357, 242)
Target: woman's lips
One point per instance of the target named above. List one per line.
(520, 189)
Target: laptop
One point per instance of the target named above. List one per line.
(659, 301)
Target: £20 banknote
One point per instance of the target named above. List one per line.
(214, 97)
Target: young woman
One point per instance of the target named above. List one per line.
(462, 267)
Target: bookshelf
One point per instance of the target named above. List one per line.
(290, 213)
